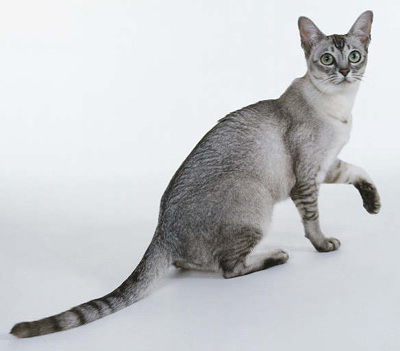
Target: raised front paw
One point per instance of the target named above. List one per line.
(370, 196)
(329, 244)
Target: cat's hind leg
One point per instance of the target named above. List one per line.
(257, 263)
(237, 260)
(190, 266)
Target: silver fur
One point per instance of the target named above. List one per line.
(214, 210)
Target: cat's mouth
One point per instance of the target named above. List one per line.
(344, 81)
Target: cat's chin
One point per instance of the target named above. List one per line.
(333, 86)
(344, 87)
(340, 86)
(345, 81)
(348, 81)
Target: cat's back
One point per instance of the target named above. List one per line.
(262, 116)
(245, 146)
(244, 131)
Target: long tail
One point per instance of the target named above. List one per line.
(153, 265)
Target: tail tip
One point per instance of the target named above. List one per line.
(21, 330)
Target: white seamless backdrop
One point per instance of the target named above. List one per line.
(101, 101)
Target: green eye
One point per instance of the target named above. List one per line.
(327, 59)
(354, 57)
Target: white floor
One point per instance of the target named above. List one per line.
(69, 241)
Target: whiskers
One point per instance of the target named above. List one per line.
(328, 84)
(337, 80)
(358, 77)
(329, 79)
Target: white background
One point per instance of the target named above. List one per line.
(100, 102)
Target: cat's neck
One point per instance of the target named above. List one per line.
(336, 105)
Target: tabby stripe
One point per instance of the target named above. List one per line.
(305, 187)
(55, 324)
(95, 306)
(338, 174)
(303, 195)
(80, 315)
(311, 217)
(108, 304)
(308, 202)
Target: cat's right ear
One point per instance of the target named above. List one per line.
(309, 34)
(362, 28)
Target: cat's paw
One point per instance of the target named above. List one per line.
(280, 256)
(329, 244)
(275, 258)
(370, 196)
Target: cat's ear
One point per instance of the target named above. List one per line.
(362, 27)
(309, 34)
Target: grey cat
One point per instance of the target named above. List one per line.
(213, 210)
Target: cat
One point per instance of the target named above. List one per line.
(214, 209)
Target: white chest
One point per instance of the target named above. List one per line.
(333, 108)
(335, 111)
(339, 137)
(336, 107)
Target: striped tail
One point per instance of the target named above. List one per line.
(153, 265)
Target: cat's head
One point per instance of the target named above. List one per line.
(336, 62)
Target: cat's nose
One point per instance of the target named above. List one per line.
(344, 71)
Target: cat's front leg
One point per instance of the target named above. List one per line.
(346, 173)
(305, 196)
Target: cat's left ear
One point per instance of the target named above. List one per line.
(362, 28)
(309, 34)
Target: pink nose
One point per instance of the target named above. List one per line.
(344, 71)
